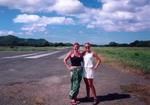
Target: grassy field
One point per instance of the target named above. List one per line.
(133, 57)
(24, 48)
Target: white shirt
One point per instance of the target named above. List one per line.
(88, 59)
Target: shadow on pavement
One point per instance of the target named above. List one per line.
(109, 97)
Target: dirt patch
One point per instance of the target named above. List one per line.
(46, 91)
(39, 100)
(141, 91)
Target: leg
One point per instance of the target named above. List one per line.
(90, 82)
(76, 78)
(79, 78)
(87, 87)
(74, 85)
(74, 82)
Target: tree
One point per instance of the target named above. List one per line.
(113, 44)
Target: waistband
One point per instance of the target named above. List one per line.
(76, 68)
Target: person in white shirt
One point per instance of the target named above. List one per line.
(89, 68)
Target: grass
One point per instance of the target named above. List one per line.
(133, 57)
(27, 48)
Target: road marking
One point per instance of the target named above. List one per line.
(24, 55)
(62, 57)
(42, 55)
(12, 70)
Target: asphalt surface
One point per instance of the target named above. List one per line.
(17, 67)
(40, 78)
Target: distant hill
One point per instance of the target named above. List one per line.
(11, 40)
(140, 43)
(136, 43)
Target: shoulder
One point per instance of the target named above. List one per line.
(83, 53)
(94, 53)
(70, 53)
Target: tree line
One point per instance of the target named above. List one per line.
(11, 40)
(136, 43)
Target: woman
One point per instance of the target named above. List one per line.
(89, 68)
(75, 70)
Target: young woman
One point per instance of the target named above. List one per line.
(76, 71)
(89, 68)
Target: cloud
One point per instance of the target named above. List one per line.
(6, 32)
(67, 7)
(32, 6)
(24, 18)
(28, 5)
(113, 15)
(35, 23)
(119, 15)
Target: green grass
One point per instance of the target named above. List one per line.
(137, 58)
(24, 48)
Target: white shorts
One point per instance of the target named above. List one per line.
(88, 73)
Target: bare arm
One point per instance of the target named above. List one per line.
(98, 60)
(66, 60)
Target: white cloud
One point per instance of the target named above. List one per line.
(114, 15)
(24, 18)
(33, 28)
(31, 6)
(28, 5)
(67, 6)
(114, 5)
(7, 32)
(35, 23)
(119, 15)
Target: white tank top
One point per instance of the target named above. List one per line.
(88, 59)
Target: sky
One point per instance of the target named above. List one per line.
(94, 21)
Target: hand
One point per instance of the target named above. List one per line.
(94, 68)
(70, 67)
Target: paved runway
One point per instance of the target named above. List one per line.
(30, 66)
(40, 78)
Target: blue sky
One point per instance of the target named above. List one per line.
(95, 21)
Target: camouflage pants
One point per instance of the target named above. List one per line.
(76, 77)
